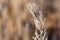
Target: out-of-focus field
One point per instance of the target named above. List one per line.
(16, 22)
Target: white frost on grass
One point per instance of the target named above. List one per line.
(39, 21)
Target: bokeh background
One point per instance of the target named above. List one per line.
(16, 22)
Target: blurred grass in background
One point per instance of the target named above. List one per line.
(16, 22)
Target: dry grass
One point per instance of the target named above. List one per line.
(16, 22)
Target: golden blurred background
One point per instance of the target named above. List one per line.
(16, 22)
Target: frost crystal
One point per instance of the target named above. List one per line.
(39, 22)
